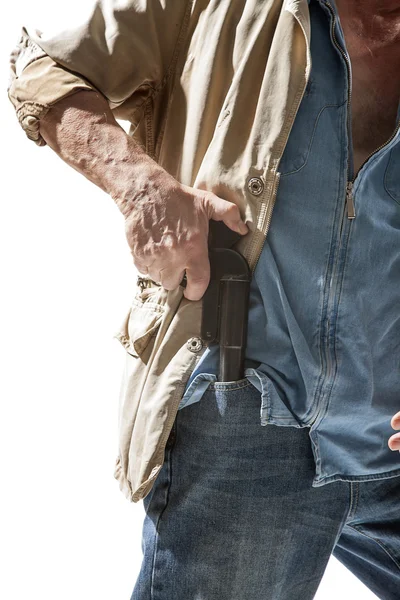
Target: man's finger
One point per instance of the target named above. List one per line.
(198, 278)
(394, 442)
(228, 212)
(170, 278)
(142, 264)
(395, 421)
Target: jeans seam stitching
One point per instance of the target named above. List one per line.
(227, 388)
(354, 498)
(373, 477)
(381, 544)
(166, 500)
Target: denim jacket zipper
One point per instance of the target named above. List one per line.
(343, 236)
(335, 278)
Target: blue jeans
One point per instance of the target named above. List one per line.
(233, 514)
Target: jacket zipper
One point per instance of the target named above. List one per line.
(349, 207)
(272, 203)
(350, 184)
(270, 208)
(350, 177)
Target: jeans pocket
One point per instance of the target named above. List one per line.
(206, 382)
(230, 386)
(274, 410)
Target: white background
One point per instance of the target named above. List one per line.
(66, 282)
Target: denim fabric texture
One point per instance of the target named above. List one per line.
(233, 514)
(324, 326)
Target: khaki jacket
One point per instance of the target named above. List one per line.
(211, 89)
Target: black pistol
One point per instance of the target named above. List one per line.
(226, 301)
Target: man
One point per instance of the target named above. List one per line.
(278, 118)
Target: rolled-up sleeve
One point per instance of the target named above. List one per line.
(122, 49)
(36, 83)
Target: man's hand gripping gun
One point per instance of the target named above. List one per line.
(226, 301)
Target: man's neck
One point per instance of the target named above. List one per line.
(365, 9)
(370, 25)
(371, 13)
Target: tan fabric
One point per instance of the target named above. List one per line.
(36, 83)
(211, 89)
(157, 334)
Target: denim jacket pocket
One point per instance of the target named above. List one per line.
(392, 174)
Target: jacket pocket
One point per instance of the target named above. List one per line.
(143, 319)
(161, 336)
(392, 174)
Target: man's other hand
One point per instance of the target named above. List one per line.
(394, 440)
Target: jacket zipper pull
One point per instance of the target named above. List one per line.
(349, 201)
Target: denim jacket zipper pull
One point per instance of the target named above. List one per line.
(349, 200)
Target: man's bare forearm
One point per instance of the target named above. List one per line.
(82, 130)
(166, 222)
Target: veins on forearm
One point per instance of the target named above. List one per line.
(82, 130)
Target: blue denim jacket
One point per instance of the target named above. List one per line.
(323, 341)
